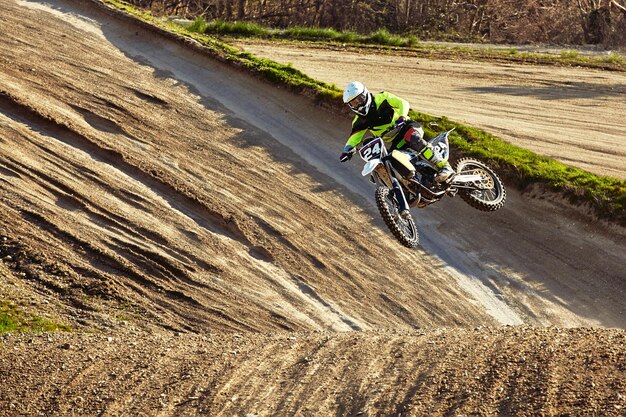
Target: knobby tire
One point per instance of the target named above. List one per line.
(392, 224)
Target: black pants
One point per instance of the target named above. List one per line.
(413, 136)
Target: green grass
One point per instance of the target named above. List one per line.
(235, 28)
(383, 37)
(319, 34)
(614, 58)
(12, 320)
(604, 195)
(198, 26)
(410, 44)
(569, 54)
(246, 29)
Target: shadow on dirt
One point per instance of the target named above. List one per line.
(565, 90)
(485, 272)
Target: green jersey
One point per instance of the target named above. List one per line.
(385, 109)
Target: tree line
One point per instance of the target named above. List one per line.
(575, 22)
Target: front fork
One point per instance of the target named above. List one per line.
(382, 176)
(397, 189)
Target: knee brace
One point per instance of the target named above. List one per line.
(415, 138)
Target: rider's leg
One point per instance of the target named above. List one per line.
(415, 139)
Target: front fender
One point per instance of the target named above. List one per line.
(369, 167)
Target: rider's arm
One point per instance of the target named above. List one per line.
(359, 128)
(355, 138)
(400, 105)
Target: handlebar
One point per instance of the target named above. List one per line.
(387, 131)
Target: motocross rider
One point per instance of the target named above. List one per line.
(377, 113)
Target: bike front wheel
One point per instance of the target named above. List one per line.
(402, 228)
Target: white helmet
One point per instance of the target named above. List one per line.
(357, 97)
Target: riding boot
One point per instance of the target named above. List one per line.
(443, 168)
(415, 138)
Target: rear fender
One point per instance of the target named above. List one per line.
(440, 144)
(466, 178)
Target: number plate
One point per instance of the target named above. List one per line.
(372, 150)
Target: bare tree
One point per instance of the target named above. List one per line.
(600, 18)
(513, 21)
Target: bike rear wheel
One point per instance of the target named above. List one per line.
(403, 229)
(490, 193)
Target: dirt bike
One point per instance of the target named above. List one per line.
(404, 180)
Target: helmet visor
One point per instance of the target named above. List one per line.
(358, 101)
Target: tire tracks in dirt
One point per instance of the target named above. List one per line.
(510, 370)
(270, 267)
(193, 323)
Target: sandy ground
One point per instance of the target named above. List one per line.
(574, 115)
(479, 372)
(194, 226)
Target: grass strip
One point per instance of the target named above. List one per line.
(407, 44)
(248, 29)
(13, 320)
(605, 196)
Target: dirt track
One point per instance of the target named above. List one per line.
(166, 201)
(507, 371)
(574, 115)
